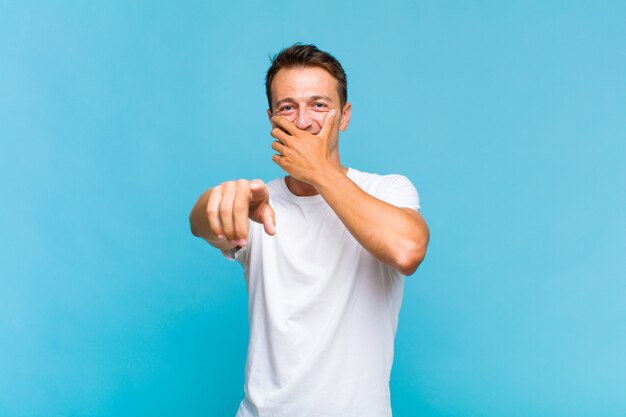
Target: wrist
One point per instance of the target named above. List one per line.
(328, 177)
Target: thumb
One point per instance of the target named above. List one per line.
(269, 220)
(260, 194)
(329, 122)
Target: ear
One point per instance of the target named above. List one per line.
(270, 115)
(345, 116)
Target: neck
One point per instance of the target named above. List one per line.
(300, 188)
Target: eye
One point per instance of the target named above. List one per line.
(285, 108)
(319, 105)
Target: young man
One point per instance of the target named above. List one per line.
(324, 256)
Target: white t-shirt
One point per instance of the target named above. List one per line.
(323, 312)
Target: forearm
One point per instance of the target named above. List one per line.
(395, 236)
(198, 220)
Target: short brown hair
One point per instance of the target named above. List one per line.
(300, 56)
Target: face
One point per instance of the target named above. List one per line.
(304, 96)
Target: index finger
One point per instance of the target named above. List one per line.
(285, 124)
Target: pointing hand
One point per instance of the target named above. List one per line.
(233, 203)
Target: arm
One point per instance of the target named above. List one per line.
(397, 237)
(221, 214)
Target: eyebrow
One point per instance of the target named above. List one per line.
(312, 98)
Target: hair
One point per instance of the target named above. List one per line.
(302, 56)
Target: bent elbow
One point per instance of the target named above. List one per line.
(411, 257)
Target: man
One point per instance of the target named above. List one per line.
(324, 256)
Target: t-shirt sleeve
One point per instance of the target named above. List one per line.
(238, 254)
(235, 253)
(401, 192)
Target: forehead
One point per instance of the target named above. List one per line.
(300, 83)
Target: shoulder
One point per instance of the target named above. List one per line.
(395, 189)
(371, 181)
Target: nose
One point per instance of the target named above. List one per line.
(303, 119)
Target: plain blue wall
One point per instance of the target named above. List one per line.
(509, 117)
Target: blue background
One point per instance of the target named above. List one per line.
(509, 117)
